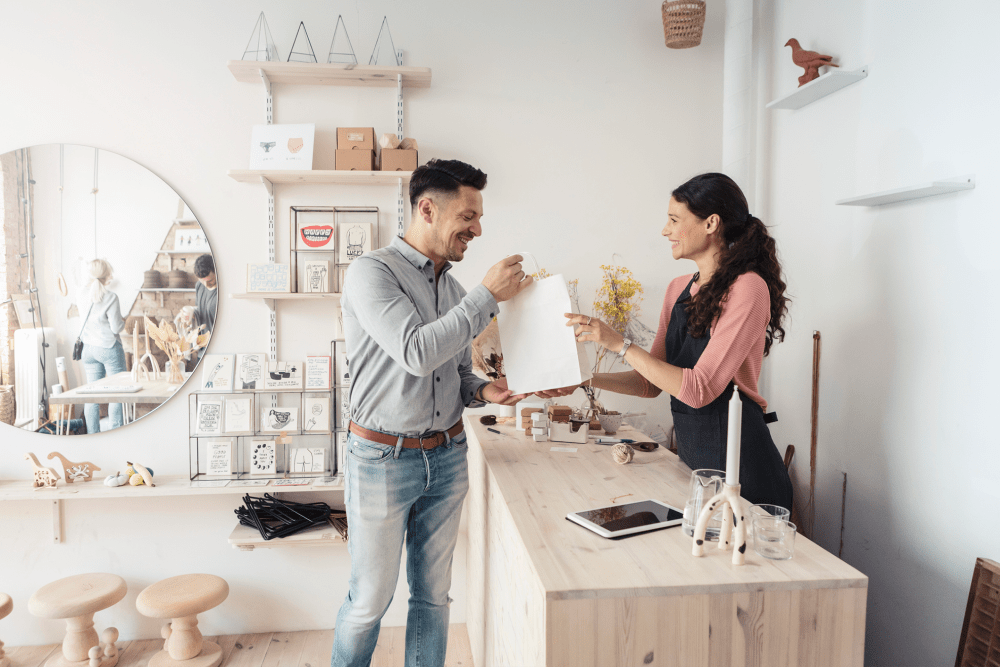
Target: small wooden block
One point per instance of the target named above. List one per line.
(527, 412)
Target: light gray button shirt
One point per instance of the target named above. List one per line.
(409, 341)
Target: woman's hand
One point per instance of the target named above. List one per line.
(594, 330)
(556, 393)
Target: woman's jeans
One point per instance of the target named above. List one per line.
(392, 492)
(99, 362)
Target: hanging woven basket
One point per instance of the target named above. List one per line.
(683, 21)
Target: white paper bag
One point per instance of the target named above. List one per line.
(539, 351)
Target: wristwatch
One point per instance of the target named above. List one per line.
(625, 344)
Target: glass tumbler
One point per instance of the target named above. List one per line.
(764, 510)
(705, 483)
(774, 538)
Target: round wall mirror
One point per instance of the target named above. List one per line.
(108, 290)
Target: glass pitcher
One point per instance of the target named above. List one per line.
(705, 483)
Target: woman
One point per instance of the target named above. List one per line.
(716, 327)
(103, 354)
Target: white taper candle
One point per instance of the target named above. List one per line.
(733, 438)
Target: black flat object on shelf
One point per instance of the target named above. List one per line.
(274, 517)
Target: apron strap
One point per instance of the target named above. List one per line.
(770, 417)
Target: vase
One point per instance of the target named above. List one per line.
(174, 375)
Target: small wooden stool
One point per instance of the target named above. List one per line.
(6, 605)
(77, 599)
(182, 599)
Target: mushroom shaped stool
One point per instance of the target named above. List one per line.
(6, 605)
(77, 599)
(182, 599)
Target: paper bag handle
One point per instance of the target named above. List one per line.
(528, 255)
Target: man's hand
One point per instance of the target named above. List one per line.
(497, 392)
(556, 393)
(506, 279)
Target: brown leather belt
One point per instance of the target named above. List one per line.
(429, 442)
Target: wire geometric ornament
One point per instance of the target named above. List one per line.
(302, 56)
(380, 43)
(261, 43)
(341, 56)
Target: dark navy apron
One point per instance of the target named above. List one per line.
(701, 432)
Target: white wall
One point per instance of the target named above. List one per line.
(904, 297)
(583, 120)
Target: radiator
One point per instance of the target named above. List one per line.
(28, 379)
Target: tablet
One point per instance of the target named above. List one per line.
(628, 519)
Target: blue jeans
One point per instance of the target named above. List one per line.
(392, 492)
(99, 362)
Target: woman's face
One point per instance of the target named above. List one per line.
(690, 236)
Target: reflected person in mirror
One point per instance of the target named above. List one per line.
(103, 355)
(206, 293)
(409, 327)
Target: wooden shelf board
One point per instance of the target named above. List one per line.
(920, 191)
(184, 252)
(166, 289)
(287, 295)
(245, 538)
(165, 485)
(313, 176)
(323, 74)
(830, 82)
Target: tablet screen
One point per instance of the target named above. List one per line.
(631, 515)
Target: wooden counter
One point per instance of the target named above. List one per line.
(544, 591)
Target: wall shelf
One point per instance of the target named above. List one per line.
(184, 252)
(323, 74)
(320, 176)
(293, 296)
(166, 289)
(830, 82)
(246, 538)
(920, 191)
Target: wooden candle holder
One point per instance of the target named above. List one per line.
(728, 500)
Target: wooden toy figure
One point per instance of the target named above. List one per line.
(810, 61)
(73, 472)
(43, 477)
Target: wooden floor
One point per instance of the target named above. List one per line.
(308, 648)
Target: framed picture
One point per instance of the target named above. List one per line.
(268, 278)
(344, 401)
(263, 457)
(316, 414)
(317, 276)
(282, 146)
(209, 416)
(250, 369)
(354, 240)
(343, 372)
(313, 228)
(307, 459)
(220, 457)
(341, 451)
(237, 415)
(283, 375)
(318, 373)
(26, 310)
(217, 372)
(341, 278)
(276, 420)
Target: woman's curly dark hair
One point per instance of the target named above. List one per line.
(746, 246)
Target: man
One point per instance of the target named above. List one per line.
(409, 326)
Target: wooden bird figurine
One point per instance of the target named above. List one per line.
(83, 471)
(810, 61)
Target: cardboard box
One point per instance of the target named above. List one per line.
(397, 159)
(356, 138)
(352, 160)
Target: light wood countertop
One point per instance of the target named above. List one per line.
(541, 486)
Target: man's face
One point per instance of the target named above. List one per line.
(457, 223)
(208, 281)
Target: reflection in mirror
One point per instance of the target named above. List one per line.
(108, 293)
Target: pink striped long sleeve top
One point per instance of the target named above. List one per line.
(736, 349)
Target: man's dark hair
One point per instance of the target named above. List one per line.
(445, 177)
(203, 266)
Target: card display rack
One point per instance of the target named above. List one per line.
(326, 234)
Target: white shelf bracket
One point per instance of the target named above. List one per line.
(399, 106)
(57, 524)
(269, 101)
(399, 208)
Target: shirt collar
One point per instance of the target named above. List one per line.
(414, 256)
